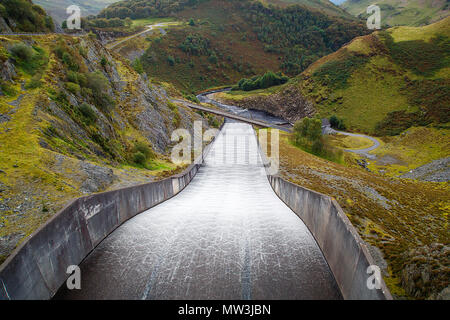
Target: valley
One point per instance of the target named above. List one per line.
(363, 118)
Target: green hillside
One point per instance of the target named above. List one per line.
(404, 13)
(381, 83)
(222, 41)
(23, 16)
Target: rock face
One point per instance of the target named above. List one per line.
(4, 28)
(437, 171)
(424, 276)
(97, 178)
(288, 104)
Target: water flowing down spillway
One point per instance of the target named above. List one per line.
(225, 236)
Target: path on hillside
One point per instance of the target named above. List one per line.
(365, 151)
(150, 27)
(326, 129)
(225, 236)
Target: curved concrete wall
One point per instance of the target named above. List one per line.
(342, 247)
(37, 268)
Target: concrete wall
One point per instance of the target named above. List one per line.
(37, 268)
(344, 250)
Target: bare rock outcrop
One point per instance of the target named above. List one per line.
(288, 104)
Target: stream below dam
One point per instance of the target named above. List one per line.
(225, 236)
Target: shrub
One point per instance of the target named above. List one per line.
(99, 85)
(171, 60)
(35, 82)
(337, 123)
(143, 148)
(87, 113)
(72, 87)
(8, 89)
(103, 62)
(22, 51)
(139, 158)
(267, 80)
(137, 66)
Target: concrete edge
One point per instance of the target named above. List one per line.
(349, 271)
(22, 269)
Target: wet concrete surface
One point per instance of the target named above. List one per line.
(225, 236)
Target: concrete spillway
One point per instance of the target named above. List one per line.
(225, 236)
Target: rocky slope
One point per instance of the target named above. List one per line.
(287, 104)
(75, 119)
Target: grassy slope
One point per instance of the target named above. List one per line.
(409, 13)
(40, 150)
(363, 82)
(391, 214)
(375, 88)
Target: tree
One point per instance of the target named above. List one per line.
(191, 22)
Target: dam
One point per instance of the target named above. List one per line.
(227, 235)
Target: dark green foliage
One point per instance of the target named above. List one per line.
(88, 114)
(142, 153)
(138, 9)
(104, 23)
(397, 121)
(22, 51)
(27, 16)
(99, 85)
(191, 22)
(137, 66)
(191, 97)
(308, 137)
(422, 58)
(196, 45)
(7, 89)
(103, 62)
(337, 123)
(302, 35)
(335, 74)
(144, 149)
(267, 80)
(78, 78)
(139, 158)
(66, 55)
(170, 61)
(31, 60)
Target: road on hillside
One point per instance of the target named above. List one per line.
(365, 151)
(225, 236)
(148, 29)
